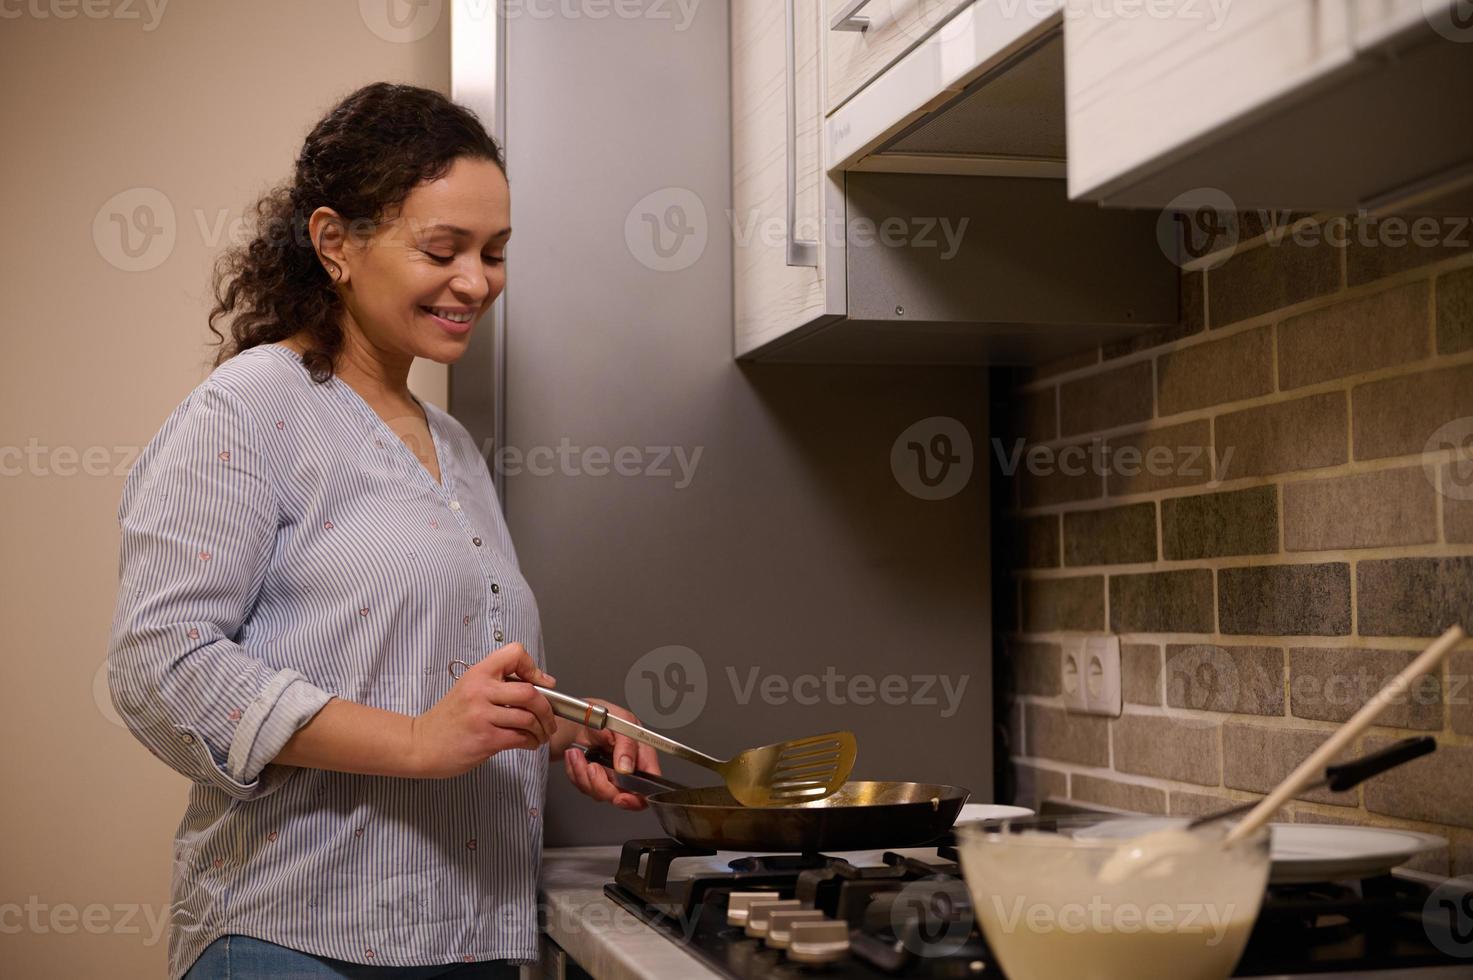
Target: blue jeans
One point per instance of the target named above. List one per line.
(247, 958)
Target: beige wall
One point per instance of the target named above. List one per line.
(206, 104)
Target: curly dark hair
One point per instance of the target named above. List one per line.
(362, 160)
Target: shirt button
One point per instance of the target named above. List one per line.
(476, 542)
(499, 636)
(533, 811)
(455, 505)
(495, 587)
(187, 738)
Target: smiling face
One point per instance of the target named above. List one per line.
(416, 285)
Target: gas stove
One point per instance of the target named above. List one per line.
(907, 913)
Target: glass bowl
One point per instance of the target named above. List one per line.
(1055, 899)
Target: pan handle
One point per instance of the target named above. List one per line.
(655, 783)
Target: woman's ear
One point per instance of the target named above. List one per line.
(330, 240)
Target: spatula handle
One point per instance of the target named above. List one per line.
(597, 717)
(585, 713)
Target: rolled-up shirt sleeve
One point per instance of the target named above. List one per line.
(199, 519)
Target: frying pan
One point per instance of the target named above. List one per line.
(862, 815)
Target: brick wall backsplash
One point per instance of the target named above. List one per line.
(1272, 504)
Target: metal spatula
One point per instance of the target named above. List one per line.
(796, 771)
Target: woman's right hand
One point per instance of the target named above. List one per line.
(491, 708)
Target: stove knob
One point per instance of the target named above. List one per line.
(739, 903)
(759, 914)
(780, 925)
(818, 942)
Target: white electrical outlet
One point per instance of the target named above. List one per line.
(1072, 674)
(1102, 675)
(1089, 673)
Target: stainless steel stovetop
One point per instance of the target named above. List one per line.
(906, 913)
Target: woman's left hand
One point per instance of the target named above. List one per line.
(594, 780)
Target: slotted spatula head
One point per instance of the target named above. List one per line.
(796, 771)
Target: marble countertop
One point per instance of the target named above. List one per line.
(605, 939)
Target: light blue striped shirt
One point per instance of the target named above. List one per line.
(281, 545)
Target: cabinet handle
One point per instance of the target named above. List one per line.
(800, 253)
(849, 18)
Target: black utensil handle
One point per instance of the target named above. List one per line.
(656, 783)
(1348, 774)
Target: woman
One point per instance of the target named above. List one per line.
(306, 549)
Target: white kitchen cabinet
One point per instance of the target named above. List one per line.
(779, 186)
(922, 268)
(864, 37)
(1140, 89)
(1372, 21)
(1312, 105)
